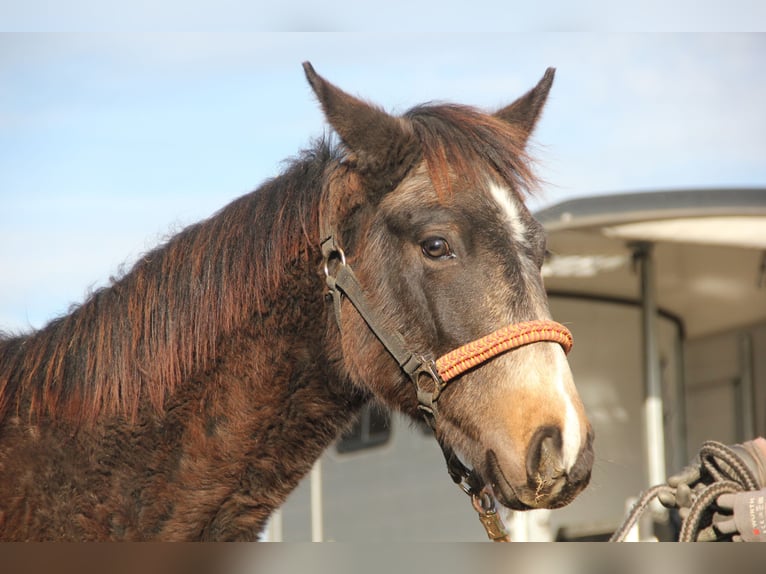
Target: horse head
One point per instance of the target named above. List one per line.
(428, 210)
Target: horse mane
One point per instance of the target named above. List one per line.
(137, 339)
(134, 342)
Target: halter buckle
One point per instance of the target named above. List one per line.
(428, 384)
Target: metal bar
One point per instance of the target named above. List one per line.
(274, 531)
(654, 430)
(680, 455)
(317, 518)
(746, 388)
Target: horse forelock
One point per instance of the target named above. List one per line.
(132, 343)
(459, 141)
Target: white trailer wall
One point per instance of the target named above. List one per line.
(726, 386)
(607, 363)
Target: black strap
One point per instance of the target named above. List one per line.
(421, 370)
(343, 282)
(468, 480)
(346, 282)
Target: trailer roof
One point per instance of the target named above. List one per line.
(709, 247)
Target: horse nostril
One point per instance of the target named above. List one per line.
(544, 458)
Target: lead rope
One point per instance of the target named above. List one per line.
(721, 469)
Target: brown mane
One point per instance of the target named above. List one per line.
(136, 340)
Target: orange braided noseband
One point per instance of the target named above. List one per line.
(476, 352)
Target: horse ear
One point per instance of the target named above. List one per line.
(525, 111)
(384, 146)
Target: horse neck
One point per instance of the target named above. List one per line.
(229, 379)
(273, 403)
(229, 445)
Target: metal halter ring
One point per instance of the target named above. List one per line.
(338, 253)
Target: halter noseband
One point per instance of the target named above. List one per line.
(430, 376)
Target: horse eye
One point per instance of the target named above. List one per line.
(436, 248)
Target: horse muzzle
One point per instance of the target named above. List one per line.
(545, 482)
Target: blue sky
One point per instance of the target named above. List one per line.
(109, 143)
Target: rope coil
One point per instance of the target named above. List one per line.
(722, 471)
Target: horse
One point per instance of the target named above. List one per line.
(189, 397)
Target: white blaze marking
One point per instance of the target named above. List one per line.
(570, 433)
(511, 211)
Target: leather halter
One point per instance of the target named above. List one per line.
(430, 376)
